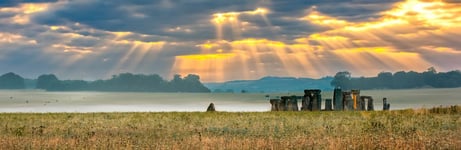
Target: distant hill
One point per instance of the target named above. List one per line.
(272, 84)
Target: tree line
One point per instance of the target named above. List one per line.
(126, 82)
(399, 80)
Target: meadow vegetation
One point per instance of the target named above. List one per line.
(437, 128)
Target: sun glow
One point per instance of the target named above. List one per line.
(366, 48)
(220, 20)
(25, 10)
(249, 58)
(135, 54)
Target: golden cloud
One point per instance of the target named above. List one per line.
(389, 43)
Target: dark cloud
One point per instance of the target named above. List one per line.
(146, 17)
(156, 17)
(11, 3)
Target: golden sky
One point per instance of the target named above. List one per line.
(221, 41)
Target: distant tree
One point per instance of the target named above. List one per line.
(429, 77)
(125, 82)
(48, 82)
(384, 80)
(176, 84)
(11, 81)
(74, 85)
(342, 80)
(447, 79)
(415, 79)
(190, 83)
(400, 80)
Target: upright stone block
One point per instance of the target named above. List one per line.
(319, 99)
(275, 103)
(313, 99)
(211, 108)
(348, 101)
(386, 105)
(284, 105)
(305, 102)
(361, 105)
(371, 106)
(328, 105)
(338, 99)
(355, 94)
(294, 103)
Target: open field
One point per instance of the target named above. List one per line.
(438, 128)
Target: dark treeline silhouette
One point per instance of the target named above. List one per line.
(399, 80)
(11, 81)
(126, 82)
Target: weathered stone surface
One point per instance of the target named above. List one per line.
(275, 103)
(369, 101)
(338, 99)
(305, 103)
(328, 105)
(371, 106)
(294, 103)
(348, 101)
(211, 108)
(313, 99)
(284, 103)
(355, 94)
(361, 105)
(386, 105)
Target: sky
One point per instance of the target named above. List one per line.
(222, 40)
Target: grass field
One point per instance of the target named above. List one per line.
(437, 128)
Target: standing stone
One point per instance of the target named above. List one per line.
(338, 99)
(328, 106)
(275, 104)
(211, 108)
(294, 103)
(284, 103)
(319, 99)
(305, 102)
(315, 103)
(386, 105)
(355, 94)
(361, 104)
(308, 100)
(348, 101)
(370, 107)
(313, 100)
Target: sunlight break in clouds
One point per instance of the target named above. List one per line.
(398, 40)
(232, 19)
(229, 40)
(24, 11)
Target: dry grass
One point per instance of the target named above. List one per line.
(438, 128)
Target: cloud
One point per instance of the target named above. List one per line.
(388, 43)
(12, 3)
(224, 40)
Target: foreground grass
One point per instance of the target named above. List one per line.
(438, 128)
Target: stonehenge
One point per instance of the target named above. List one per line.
(312, 101)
